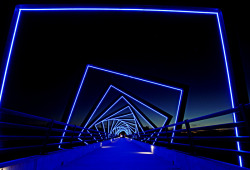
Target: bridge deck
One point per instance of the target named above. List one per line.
(120, 154)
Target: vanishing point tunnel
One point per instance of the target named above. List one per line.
(120, 129)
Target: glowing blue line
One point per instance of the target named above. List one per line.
(159, 133)
(124, 122)
(136, 119)
(9, 55)
(123, 127)
(111, 86)
(115, 119)
(116, 113)
(130, 106)
(138, 101)
(119, 9)
(133, 77)
(103, 127)
(91, 135)
(117, 124)
(121, 124)
(98, 132)
(71, 111)
(138, 112)
(105, 112)
(229, 85)
(124, 115)
(136, 125)
(225, 60)
(122, 119)
(97, 105)
(131, 126)
(130, 123)
(113, 72)
(127, 124)
(131, 129)
(176, 117)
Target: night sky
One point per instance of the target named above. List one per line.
(52, 50)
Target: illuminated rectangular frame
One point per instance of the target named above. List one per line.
(122, 97)
(217, 12)
(120, 117)
(127, 124)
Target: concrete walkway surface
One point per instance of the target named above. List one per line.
(121, 154)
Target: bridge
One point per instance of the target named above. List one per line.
(125, 137)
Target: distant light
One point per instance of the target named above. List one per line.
(107, 147)
(152, 149)
(146, 153)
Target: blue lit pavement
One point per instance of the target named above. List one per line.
(120, 154)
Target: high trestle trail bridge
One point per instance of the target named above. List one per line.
(112, 136)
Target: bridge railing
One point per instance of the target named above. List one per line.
(23, 135)
(225, 142)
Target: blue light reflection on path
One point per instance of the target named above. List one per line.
(121, 154)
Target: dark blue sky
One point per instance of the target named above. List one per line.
(52, 50)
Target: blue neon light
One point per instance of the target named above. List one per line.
(129, 124)
(9, 55)
(113, 106)
(121, 9)
(97, 105)
(207, 12)
(116, 117)
(133, 77)
(117, 111)
(136, 121)
(111, 86)
(220, 19)
(139, 101)
(113, 116)
(71, 111)
(124, 126)
(121, 120)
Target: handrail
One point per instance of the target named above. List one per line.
(17, 113)
(194, 137)
(48, 134)
(184, 137)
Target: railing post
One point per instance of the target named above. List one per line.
(166, 130)
(189, 133)
(45, 142)
(72, 136)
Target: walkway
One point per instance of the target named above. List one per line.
(120, 154)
